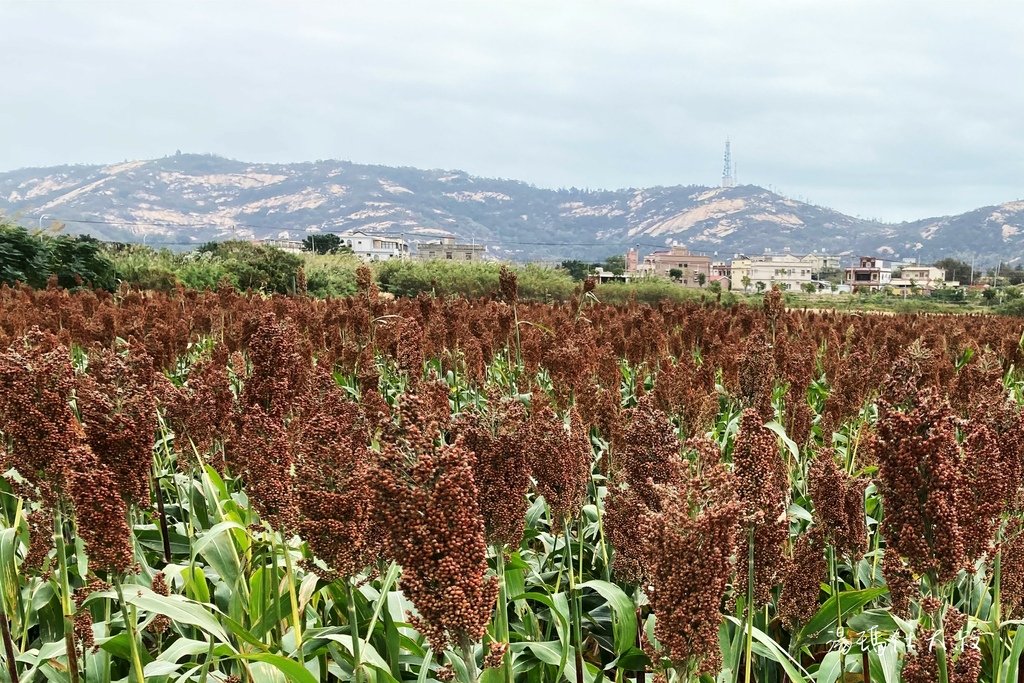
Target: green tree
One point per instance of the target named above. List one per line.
(578, 270)
(955, 269)
(80, 261)
(701, 279)
(833, 275)
(76, 261)
(615, 264)
(326, 243)
(809, 287)
(745, 281)
(760, 285)
(255, 266)
(23, 257)
(675, 273)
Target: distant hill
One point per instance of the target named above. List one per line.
(189, 199)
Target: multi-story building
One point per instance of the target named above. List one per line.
(375, 247)
(282, 243)
(787, 270)
(632, 260)
(925, 278)
(679, 264)
(870, 273)
(448, 249)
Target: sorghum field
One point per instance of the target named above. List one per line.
(224, 487)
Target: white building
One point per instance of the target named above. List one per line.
(375, 247)
(925, 278)
(787, 270)
(282, 243)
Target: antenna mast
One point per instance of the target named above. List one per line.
(728, 178)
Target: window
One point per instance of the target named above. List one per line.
(448, 255)
(469, 256)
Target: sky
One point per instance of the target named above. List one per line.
(880, 109)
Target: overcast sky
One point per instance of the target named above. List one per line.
(890, 109)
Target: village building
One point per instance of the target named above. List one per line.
(677, 263)
(282, 243)
(447, 249)
(784, 269)
(923, 278)
(871, 273)
(375, 247)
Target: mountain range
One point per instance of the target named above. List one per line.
(189, 199)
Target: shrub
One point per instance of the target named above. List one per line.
(1014, 307)
(256, 266)
(33, 259)
(330, 276)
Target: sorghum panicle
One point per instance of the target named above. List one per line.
(201, 411)
(508, 286)
(838, 504)
(560, 459)
(117, 406)
(757, 374)
(648, 464)
(691, 542)
(501, 467)
(281, 366)
(50, 450)
(934, 516)
(436, 532)
(334, 473)
(262, 456)
(763, 487)
(159, 586)
(802, 577)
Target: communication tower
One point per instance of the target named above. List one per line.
(728, 176)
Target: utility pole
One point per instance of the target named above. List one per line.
(39, 225)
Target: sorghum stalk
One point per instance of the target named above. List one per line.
(502, 613)
(129, 625)
(466, 645)
(65, 599)
(103, 653)
(292, 597)
(164, 533)
(996, 617)
(600, 528)
(940, 658)
(577, 631)
(750, 603)
(353, 624)
(207, 663)
(12, 665)
(833, 566)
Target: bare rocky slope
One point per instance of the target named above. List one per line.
(188, 199)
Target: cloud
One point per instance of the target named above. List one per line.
(895, 110)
